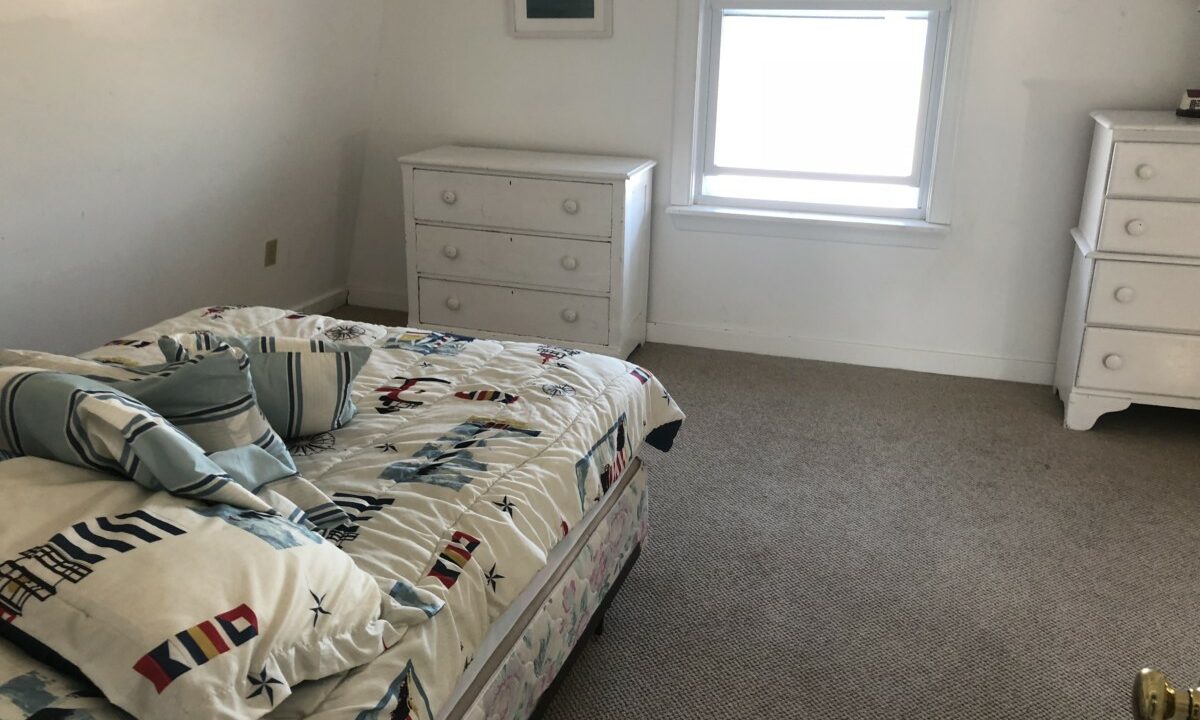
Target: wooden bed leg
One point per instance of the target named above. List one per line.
(1155, 698)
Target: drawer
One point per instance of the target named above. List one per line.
(538, 313)
(1151, 227)
(1140, 362)
(1155, 170)
(554, 206)
(1145, 295)
(508, 258)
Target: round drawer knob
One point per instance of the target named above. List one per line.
(1114, 362)
(453, 303)
(1124, 294)
(449, 197)
(570, 316)
(1136, 228)
(569, 263)
(450, 251)
(570, 207)
(1146, 172)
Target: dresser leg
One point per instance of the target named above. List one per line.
(1082, 411)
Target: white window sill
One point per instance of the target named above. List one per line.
(809, 226)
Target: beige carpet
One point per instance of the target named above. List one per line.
(830, 541)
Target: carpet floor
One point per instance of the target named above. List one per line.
(830, 541)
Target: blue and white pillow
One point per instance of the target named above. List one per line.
(210, 398)
(302, 385)
(86, 423)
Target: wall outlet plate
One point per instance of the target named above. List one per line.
(272, 252)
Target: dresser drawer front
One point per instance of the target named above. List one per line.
(536, 313)
(1151, 227)
(1145, 295)
(1140, 362)
(1155, 170)
(509, 258)
(554, 206)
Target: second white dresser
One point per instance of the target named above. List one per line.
(1131, 329)
(545, 247)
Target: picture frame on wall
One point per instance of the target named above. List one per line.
(561, 18)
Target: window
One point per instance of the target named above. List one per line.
(824, 106)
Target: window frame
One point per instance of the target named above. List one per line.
(697, 71)
(934, 64)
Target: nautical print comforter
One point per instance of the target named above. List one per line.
(467, 462)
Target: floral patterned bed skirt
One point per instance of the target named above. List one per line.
(538, 656)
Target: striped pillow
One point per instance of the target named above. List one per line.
(302, 385)
(209, 396)
(86, 423)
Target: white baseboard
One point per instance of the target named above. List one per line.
(1036, 372)
(377, 297)
(323, 303)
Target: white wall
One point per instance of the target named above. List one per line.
(148, 150)
(987, 303)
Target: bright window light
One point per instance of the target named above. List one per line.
(813, 107)
(817, 192)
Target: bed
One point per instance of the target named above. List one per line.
(505, 477)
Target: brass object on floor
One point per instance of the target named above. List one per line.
(1155, 698)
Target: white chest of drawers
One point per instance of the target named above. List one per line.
(1131, 328)
(536, 246)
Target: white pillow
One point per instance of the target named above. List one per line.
(178, 609)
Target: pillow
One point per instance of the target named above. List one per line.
(177, 609)
(210, 398)
(302, 385)
(83, 422)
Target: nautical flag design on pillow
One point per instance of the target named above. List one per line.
(302, 384)
(197, 645)
(72, 554)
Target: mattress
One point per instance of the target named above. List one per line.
(539, 507)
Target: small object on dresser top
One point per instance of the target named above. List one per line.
(1189, 106)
